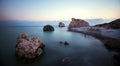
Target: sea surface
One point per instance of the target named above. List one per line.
(83, 50)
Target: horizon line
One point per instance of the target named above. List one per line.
(56, 20)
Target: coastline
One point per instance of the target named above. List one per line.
(112, 44)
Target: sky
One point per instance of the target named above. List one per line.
(48, 10)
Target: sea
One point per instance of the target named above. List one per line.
(83, 50)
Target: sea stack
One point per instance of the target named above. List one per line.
(29, 48)
(75, 23)
(48, 28)
(61, 24)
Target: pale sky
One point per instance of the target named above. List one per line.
(38, 10)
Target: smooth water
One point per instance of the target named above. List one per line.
(82, 50)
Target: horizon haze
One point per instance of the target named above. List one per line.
(51, 10)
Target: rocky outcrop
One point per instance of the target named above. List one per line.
(48, 28)
(61, 24)
(65, 43)
(29, 48)
(112, 25)
(77, 23)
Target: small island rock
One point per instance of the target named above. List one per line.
(61, 24)
(48, 28)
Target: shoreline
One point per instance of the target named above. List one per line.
(106, 40)
(110, 44)
(94, 34)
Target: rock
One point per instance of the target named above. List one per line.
(29, 48)
(112, 25)
(112, 44)
(61, 24)
(60, 42)
(48, 28)
(66, 60)
(78, 23)
(117, 57)
(66, 43)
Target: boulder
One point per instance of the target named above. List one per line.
(61, 24)
(78, 23)
(29, 48)
(66, 43)
(48, 28)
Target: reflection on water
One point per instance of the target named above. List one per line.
(83, 50)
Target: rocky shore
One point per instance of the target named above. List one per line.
(112, 44)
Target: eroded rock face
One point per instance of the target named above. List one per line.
(48, 28)
(61, 24)
(77, 23)
(29, 48)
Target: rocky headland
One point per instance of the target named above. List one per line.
(102, 32)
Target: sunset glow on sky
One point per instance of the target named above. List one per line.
(37, 10)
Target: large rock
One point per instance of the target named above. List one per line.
(77, 23)
(61, 24)
(112, 25)
(29, 48)
(48, 28)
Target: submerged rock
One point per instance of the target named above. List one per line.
(66, 43)
(66, 60)
(48, 28)
(78, 23)
(29, 48)
(61, 24)
(60, 42)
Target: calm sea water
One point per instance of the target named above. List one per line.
(82, 50)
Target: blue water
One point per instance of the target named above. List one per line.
(82, 50)
(91, 22)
